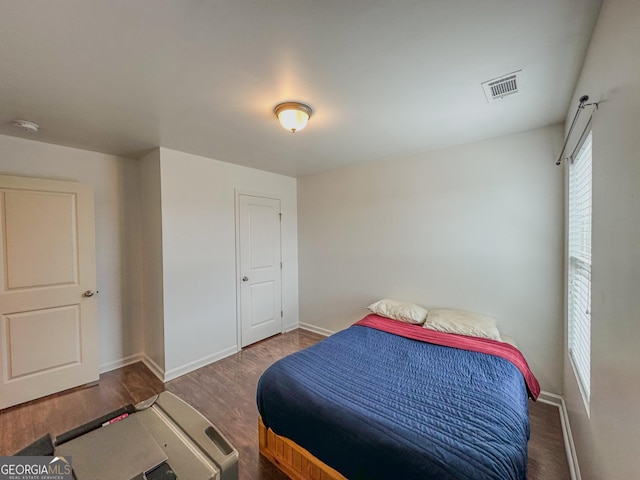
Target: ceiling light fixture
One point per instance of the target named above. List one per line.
(26, 125)
(293, 115)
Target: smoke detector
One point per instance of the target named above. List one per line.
(26, 125)
(501, 87)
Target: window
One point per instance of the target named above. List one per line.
(579, 275)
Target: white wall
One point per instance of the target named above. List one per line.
(477, 227)
(165, 247)
(189, 256)
(150, 262)
(199, 255)
(608, 443)
(114, 182)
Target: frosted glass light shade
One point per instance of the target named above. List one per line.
(293, 116)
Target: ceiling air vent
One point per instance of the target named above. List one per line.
(501, 87)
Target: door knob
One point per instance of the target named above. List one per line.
(245, 279)
(89, 293)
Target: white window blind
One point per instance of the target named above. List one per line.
(579, 307)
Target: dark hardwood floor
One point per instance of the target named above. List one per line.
(224, 392)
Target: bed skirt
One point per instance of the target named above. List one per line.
(292, 459)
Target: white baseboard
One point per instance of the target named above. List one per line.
(171, 374)
(569, 446)
(289, 328)
(191, 366)
(123, 362)
(130, 360)
(314, 329)
(550, 398)
(154, 367)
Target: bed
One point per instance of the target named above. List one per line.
(388, 400)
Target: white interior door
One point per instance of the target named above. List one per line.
(260, 268)
(48, 320)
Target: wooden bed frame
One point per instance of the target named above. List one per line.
(292, 459)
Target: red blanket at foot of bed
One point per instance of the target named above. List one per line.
(463, 342)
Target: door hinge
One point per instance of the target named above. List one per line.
(280, 216)
(281, 314)
(280, 265)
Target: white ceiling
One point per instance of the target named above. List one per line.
(385, 78)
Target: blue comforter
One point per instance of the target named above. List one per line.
(374, 405)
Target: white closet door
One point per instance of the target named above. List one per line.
(260, 268)
(48, 320)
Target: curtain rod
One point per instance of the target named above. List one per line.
(583, 103)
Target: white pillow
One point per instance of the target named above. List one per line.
(397, 310)
(462, 323)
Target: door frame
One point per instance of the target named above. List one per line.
(252, 193)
